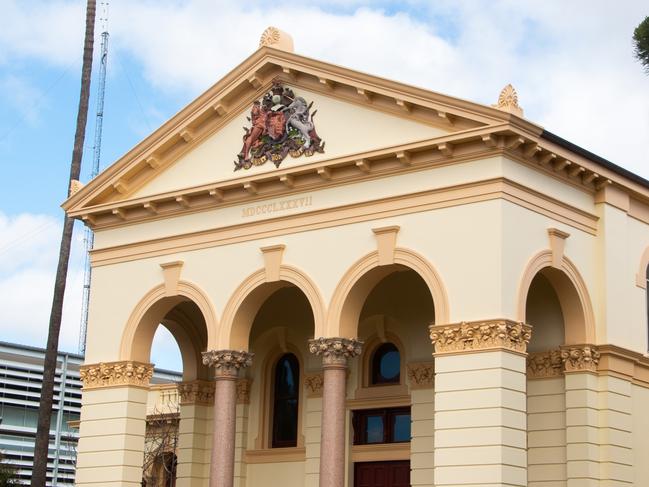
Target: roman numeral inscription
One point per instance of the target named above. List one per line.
(276, 206)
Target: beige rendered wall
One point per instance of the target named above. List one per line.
(546, 432)
(346, 129)
(640, 432)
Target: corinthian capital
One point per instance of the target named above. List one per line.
(114, 374)
(335, 351)
(580, 357)
(480, 335)
(227, 362)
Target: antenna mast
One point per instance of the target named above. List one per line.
(89, 236)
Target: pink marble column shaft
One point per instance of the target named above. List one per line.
(334, 352)
(227, 364)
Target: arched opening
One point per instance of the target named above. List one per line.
(280, 326)
(543, 312)
(391, 307)
(173, 332)
(555, 311)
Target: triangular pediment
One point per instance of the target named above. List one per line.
(354, 115)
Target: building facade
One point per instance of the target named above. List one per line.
(21, 377)
(370, 285)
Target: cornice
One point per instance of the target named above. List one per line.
(449, 149)
(352, 213)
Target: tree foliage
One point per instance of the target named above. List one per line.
(7, 473)
(641, 43)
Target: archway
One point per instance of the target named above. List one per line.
(557, 307)
(350, 294)
(390, 308)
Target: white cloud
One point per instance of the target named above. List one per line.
(29, 246)
(165, 353)
(46, 30)
(570, 61)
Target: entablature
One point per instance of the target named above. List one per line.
(471, 144)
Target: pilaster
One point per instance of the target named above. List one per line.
(582, 415)
(480, 403)
(113, 423)
(196, 399)
(421, 377)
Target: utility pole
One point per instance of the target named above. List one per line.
(41, 447)
(89, 236)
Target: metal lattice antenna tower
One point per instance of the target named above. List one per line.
(89, 236)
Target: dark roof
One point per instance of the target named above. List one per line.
(549, 136)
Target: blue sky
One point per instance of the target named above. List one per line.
(571, 63)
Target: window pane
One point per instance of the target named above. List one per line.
(401, 427)
(285, 401)
(390, 365)
(386, 364)
(374, 431)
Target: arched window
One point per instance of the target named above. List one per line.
(385, 365)
(286, 394)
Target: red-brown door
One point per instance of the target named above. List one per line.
(382, 474)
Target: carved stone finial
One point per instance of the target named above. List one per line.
(580, 357)
(114, 374)
(335, 351)
(508, 101)
(273, 37)
(480, 335)
(227, 362)
(75, 185)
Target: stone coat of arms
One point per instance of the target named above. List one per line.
(281, 124)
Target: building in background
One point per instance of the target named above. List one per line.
(21, 376)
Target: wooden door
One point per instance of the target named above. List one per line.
(382, 474)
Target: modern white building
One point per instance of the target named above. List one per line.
(21, 377)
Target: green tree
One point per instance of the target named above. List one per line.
(641, 43)
(7, 473)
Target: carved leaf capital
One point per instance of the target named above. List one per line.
(227, 362)
(196, 392)
(421, 375)
(314, 384)
(112, 374)
(544, 364)
(335, 351)
(580, 357)
(480, 335)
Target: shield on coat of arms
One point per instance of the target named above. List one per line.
(276, 125)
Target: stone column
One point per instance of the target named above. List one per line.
(334, 353)
(226, 364)
(480, 407)
(196, 400)
(113, 422)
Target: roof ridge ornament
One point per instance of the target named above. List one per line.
(508, 101)
(277, 39)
